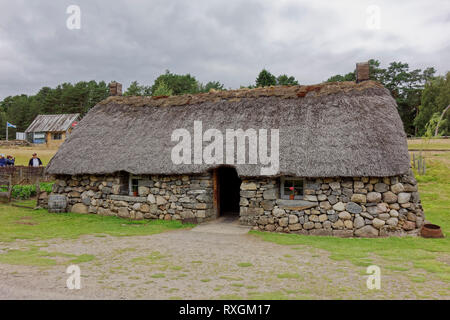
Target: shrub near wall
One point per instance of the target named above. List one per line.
(25, 192)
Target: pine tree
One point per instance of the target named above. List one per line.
(265, 79)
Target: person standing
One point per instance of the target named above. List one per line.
(2, 160)
(10, 160)
(35, 161)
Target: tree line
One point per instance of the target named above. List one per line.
(421, 95)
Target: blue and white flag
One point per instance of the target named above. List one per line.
(9, 125)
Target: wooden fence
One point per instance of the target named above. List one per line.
(25, 175)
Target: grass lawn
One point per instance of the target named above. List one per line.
(413, 255)
(28, 224)
(23, 154)
(429, 144)
(21, 223)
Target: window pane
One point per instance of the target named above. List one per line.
(296, 184)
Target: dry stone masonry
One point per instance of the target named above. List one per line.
(345, 207)
(163, 197)
(361, 207)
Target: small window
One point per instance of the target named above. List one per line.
(291, 188)
(134, 185)
(57, 136)
(136, 181)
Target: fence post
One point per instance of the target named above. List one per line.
(10, 189)
(20, 174)
(38, 191)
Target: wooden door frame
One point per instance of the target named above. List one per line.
(216, 191)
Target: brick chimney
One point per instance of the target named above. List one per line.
(362, 71)
(115, 89)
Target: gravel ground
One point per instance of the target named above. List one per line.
(207, 263)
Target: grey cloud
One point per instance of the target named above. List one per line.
(229, 41)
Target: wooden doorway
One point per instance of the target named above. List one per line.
(227, 185)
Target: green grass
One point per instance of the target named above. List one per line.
(398, 254)
(429, 144)
(288, 276)
(23, 154)
(244, 264)
(20, 223)
(36, 257)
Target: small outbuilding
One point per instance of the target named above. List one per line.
(51, 129)
(326, 159)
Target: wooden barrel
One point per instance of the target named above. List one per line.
(57, 203)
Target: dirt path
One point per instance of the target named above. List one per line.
(198, 264)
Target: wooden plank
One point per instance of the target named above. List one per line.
(38, 191)
(216, 192)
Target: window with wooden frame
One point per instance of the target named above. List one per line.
(136, 181)
(57, 136)
(291, 188)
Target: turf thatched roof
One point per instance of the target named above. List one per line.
(328, 130)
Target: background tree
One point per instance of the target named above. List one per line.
(216, 85)
(162, 90)
(21, 110)
(435, 98)
(134, 90)
(179, 84)
(284, 80)
(265, 79)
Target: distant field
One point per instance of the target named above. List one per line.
(23, 154)
(429, 144)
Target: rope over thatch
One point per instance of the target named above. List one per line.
(327, 130)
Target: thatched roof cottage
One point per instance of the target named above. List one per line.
(326, 159)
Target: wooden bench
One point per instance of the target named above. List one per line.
(5, 184)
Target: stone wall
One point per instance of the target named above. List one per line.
(363, 207)
(163, 197)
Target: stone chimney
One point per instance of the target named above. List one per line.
(362, 71)
(115, 89)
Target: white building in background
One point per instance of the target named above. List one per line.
(20, 136)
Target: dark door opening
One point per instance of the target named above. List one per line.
(229, 185)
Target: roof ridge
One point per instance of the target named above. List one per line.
(58, 114)
(286, 92)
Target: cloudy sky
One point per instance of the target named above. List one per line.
(229, 41)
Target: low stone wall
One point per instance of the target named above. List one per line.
(362, 207)
(42, 200)
(14, 143)
(164, 197)
(346, 207)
